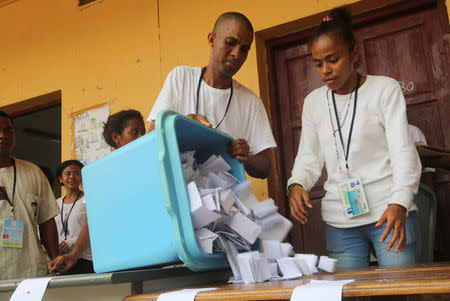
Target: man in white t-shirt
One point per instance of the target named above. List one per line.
(27, 204)
(211, 96)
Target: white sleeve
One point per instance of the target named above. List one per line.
(309, 160)
(169, 96)
(260, 136)
(406, 166)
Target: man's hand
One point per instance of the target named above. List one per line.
(239, 149)
(297, 198)
(200, 118)
(62, 263)
(257, 166)
(63, 247)
(395, 218)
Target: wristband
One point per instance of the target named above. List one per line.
(291, 187)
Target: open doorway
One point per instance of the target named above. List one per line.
(37, 123)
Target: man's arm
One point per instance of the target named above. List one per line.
(257, 166)
(49, 237)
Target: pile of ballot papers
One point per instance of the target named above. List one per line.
(227, 217)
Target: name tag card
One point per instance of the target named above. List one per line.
(353, 197)
(12, 235)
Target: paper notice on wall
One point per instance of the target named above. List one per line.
(87, 128)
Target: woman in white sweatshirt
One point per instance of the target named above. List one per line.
(356, 126)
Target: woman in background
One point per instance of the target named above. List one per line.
(73, 215)
(120, 128)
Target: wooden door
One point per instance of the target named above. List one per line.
(404, 42)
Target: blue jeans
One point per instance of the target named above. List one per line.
(351, 245)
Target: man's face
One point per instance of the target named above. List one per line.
(7, 135)
(230, 45)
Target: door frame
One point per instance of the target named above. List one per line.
(268, 40)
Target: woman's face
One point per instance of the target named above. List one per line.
(335, 63)
(133, 129)
(71, 177)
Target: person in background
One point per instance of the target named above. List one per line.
(73, 215)
(427, 172)
(27, 204)
(356, 126)
(120, 128)
(211, 96)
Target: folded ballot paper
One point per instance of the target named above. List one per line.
(227, 217)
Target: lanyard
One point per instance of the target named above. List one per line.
(10, 201)
(198, 96)
(65, 228)
(346, 153)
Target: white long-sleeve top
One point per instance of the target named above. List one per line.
(382, 153)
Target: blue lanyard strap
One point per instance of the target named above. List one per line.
(346, 153)
(198, 96)
(65, 228)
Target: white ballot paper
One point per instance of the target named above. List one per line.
(183, 295)
(247, 228)
(280, 227)
(30, 289)
(320, 290)
(289, 268)
(272, 249)
(310, 259)
(201, 216)
(327, 264)
(205, 239)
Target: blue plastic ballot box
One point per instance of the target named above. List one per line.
(137, 203)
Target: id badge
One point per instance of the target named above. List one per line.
(353, 197)
(12, 236)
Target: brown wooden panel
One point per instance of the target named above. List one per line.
(423, 116)
(401, 56)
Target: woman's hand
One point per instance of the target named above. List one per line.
(395, 218)
(62, 263)
(200, 118)
(297, 198)
(63, 247)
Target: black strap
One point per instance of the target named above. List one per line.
(10, 201)
(346, 153)
(198, 96)
(65, 225)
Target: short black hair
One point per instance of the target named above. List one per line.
(338, 24)
(117, 122)
(4, 114)
(65, 164)
(233, 16)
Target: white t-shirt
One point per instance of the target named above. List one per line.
(76, 222)
(246, 117)
(34, 203)
(382, 153)
(418, 136)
